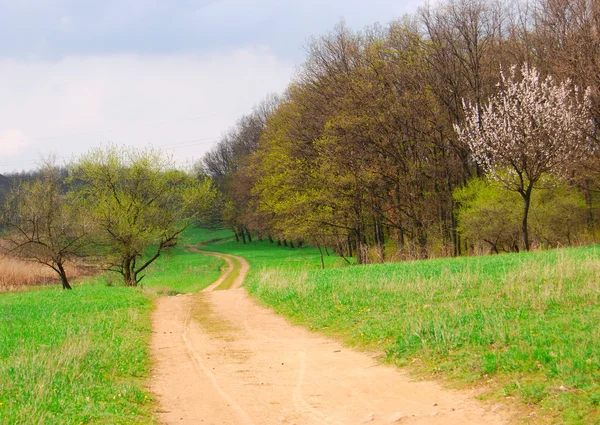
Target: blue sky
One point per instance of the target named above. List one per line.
(79, 74)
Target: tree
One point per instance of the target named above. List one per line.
(44, 223)
(489, 213)
(140, 204)
(531, 127)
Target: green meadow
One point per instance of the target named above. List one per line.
(523, 328)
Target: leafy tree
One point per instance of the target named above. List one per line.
(530, 127)
(44, 223)
(228, 165)
(489, 213)
(559, 214)
(140, 204)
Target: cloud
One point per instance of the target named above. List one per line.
(181, 103)
(59, 28)
(12, 141)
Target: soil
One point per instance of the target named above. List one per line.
(221, 359)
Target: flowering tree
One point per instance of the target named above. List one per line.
(532, 126)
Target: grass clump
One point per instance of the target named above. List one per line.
(231, 277)
(526, 325)
(73, 357)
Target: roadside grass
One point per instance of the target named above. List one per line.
(82, 356)
(74, 357)
(521, 326)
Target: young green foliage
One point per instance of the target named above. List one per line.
(489, 213)
(140, 204)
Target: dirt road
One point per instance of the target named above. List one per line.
(221, 359)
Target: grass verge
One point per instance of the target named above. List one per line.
(182, 272)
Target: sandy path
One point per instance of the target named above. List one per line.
(222, 359)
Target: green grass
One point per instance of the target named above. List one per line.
(262, 254)
(182, 272)
(526, 326)
(81, 356)
(72, 357)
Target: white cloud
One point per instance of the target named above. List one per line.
(12, 141)
(71, 105)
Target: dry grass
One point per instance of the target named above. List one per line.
(16, 274)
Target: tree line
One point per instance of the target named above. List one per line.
(118, 207)
(469, 126)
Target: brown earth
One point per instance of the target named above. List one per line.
(222, 359)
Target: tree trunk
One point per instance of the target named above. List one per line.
(270, 239)
(590, 208)
(249, 236)
(524, 225)
(243, 237)
(292, 244)
(350, 253)
(454, 235)
(126, 273)
(322, 260)
(63, 277)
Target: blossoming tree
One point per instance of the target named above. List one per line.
(530, 127)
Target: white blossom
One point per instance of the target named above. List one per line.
(530, 127)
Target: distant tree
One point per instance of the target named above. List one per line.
(44, 224)
(531, 127)
(140, 203)
(227, 163)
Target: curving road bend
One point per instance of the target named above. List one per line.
(222, 359)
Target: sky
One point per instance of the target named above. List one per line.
(79, 74)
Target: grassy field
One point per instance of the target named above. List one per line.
(81, 356)
(521, 326)
(182, 271)
(71, 357)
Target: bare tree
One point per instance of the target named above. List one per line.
(532, 126)
(43, 224)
